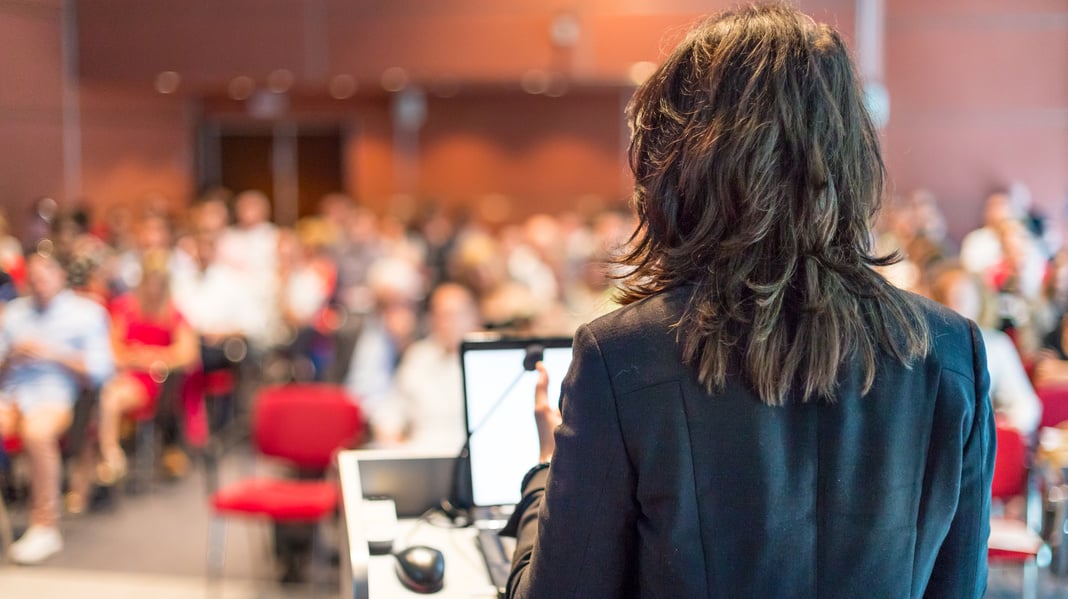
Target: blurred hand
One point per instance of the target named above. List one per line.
(1049, 370)
(32, 350)
(547, 417)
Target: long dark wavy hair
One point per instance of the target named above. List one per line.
(757, 177)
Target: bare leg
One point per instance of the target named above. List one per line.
(9, 420)
(119, 396)
(40, 432)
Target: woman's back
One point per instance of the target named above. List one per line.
(730, 497)
(767, 417)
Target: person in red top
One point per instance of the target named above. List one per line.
(150, 339)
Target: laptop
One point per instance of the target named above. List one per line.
(415, 481)
(499, 382)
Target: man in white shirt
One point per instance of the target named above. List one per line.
(981, 249)
(53, 344)
(426, 408)
(214, 298)
(250, 247)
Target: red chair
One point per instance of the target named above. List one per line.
(1015, 541)
(304, 425)
(11, 446)
(1054, 404)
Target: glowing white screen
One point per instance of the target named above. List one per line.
(504, 441)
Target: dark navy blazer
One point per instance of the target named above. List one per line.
(659, 489)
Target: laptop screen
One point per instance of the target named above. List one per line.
(499, 402)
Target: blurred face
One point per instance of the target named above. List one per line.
(154, 234)
(452, 315)
(962, 296)
(252, 209)
(335, 208)
(211, 216)
(398, 318)
(363, 226)
(45, 277)
(998, 209)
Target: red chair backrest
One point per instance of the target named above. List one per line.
(305, 423)
(12, 444)
(1054, 404)
(1010, 464)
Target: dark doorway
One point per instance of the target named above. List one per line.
(319, 168)
(245, 162)
(293, 164)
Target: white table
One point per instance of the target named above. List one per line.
(364, 576)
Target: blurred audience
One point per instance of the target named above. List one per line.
(151, 341)
(426, 407)
(1051, 362)
(342, 297)
(53, 346)
(981, 249)
(355, 247)
(153, 233)
(11, 258)
(385, 333)
(308, 278)
(250, 247)
(212, 298)
(8, 290)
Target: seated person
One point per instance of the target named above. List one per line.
(150, 339)
(1051, 363)
(8, 291)
(385, 333)
(212, 300)
(52, 344)
(1010, 390)
(307, 276)
(426, 407)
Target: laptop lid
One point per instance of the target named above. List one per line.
(499, 409)
(415, 481)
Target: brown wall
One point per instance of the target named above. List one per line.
(979, 98)
(31, 104)
(531, 153)
(137, 146)
(544, 154)
(979, 92)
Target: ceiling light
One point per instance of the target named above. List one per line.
(394, 79)
(342, 86)
(280, 80)
(167, 82)
(241, 87)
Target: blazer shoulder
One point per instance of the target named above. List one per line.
(639, 342)
(654, 313)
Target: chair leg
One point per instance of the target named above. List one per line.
(1030, 580)
(145, 456)
(6, 535)
(320, 560)
(259, 551)
(216, 548)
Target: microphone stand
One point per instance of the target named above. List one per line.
(455, 506)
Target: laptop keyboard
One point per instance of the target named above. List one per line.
(497, 552)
